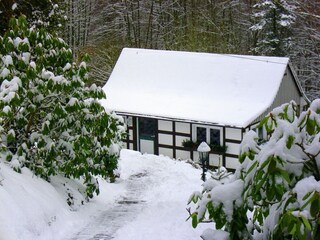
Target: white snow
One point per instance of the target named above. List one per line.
(304, 186)
(26, 57)
(46, 74)
(227, 194)
(14, 6)
(203, 147)
(19, 41)
(315, 105)
(210, 234)
(214, 88)
(33, 64)
(59, 79)
(72, 101)
(67, 67)
(5, 72)
(33, 209)
(8, 89)
(7, 60)
(83, 65)
(6, 109)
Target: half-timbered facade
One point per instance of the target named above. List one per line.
(170, 98)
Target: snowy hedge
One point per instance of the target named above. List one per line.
(51, 121)
(275, 194)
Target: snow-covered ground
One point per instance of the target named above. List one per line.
(148, 201)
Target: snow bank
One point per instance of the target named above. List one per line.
(33, 209)
(29, 206)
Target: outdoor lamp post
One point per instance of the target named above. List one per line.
(204, 150)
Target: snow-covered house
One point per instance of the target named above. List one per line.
(171, 97)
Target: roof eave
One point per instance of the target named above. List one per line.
(177, 119)
(295, 77)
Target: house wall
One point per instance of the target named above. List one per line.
(233, 140)
(287, 92)
(171, 134)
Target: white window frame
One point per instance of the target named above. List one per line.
(129, 121)
(207, 127)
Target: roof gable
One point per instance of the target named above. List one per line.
(216, 88)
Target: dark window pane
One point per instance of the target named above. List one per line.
(147, 127)
(215, 136)
(201, 134)
(260, 133)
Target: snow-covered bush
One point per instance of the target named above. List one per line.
(275, 194)
(51, 121)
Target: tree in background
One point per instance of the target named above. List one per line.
(47, 13)
(306, 45)
(275, 194)
(274, 20)
(102, 28)
(51, 119)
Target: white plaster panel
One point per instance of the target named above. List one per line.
(166, 152)
(165, 125)
(180, 139)
(234, 133)
(131, 146)
(180, 154)
(214, 160)
(129, 121)
(165, 139)
(233, 148)
(182, 127)
(130, 134)
(232, 163)
(196, 156)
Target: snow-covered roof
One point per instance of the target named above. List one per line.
(216, 88)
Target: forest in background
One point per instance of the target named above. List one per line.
(101, 28)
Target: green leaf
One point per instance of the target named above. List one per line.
(272, 166)
(307, 195)
(194, 220)
(263, 122)
(265, 163)
(315, 207)
(285, 175)
(306, 222)
(252, 167)
(290, 141)
(292, 228)
(311, 126)
(270, 194)
(307, 202)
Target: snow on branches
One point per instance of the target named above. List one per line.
(275, 193)
(51, 121)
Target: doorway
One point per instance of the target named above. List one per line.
(147, 135)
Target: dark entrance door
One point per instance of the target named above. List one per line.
(147, 135)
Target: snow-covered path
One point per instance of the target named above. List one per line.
(104, 226)
(152, 205)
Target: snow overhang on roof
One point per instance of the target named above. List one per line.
(223, 89)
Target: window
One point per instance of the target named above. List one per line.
(201, 134)
(215, 136)
(147, 128)
(208, 135)
(260, 133)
